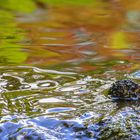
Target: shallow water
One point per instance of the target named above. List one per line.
(56, 65)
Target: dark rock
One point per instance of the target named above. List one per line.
(125, 89)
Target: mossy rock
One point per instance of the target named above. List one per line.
(125, 89)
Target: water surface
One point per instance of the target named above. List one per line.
(57, 63)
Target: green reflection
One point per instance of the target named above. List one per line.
(10, 35)
(25, 6)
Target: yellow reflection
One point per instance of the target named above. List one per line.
(119, 41)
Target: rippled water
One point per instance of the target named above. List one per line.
(48, 104)
(54, 81)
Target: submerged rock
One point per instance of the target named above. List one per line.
(125, 89)
(125, 125)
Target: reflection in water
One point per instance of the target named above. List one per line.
(57, 64)
(74, 108)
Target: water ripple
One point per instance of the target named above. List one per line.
(26, 78)
(42, 104)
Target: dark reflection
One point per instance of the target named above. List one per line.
(11, 83)
(132, 104)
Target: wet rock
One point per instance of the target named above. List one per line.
(125, 89)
